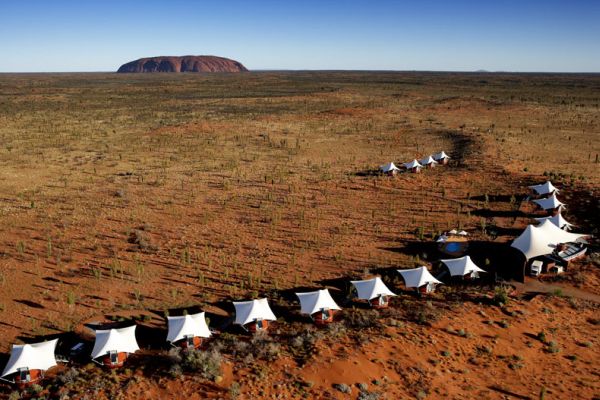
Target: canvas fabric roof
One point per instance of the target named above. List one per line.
(557, 220)
(389, 167)
(412, 164)
(461, 266)
(121, 340)
(439, 156)
(550, 203)
(428, 160)
(249, 311)
(312, 302)
(32, 356)
(371, 288)
(544, 188)
(187, 325)
(542, 239)
(417, 277)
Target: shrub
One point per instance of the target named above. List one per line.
(342, 387)
(360, 319)
(207, 363)
(501, 295)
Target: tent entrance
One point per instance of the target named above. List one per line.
(24, 374)
(113, 356)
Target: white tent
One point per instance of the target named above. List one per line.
(461, 266)
(417, 277)
(557, 220)
(253, 310)
(541, 240)
(312, 302)
(32, 356)
(120, 340)
(550, 203)
(558, 235)
(389, 167)
(453, 232)
(428, 160)
(183, 326)
(412, 164)
(371, 288)
(463, 233)
(440, 156)
(544, 188)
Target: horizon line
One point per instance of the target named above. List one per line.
(481, 71)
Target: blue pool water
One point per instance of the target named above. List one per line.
(452, 246)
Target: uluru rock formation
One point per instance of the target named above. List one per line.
(183, 64)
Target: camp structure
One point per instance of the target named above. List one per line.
(187, 331)
(428, 162)
(550, 204)
(544, 188)
(441, 158)
(253, 315)
(557, 220)
(389, 169)
(413, 166)
(540, 240)
(374, 291)
(319, 305)
(462, 266)
(28, 362)
(420, 279)
(113, 346)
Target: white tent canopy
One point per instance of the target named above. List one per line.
(187, 325)
(412, 164)
(558, 235)
(428, 160)
(550, 203)
(312, 302)
(544, 188)
(417, 277)
(440, 156)
(557, 220)
(389, 167)
(461, 266)
(252, 310)
(31, 356)
(120, 340)
(541, 240)
(371, 288)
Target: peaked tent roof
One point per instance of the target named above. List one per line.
(120, 340)
(32, 356)
(428, 160)
(371, 288)
(412, 164)
(311, 302)
(417, 277)
(439, 156)
(550, 203)
(557, 220)
(558, 235)
(182, 326)
(541, 240)
(389, 167)
(249, 311)
(461, 266)
(544, 188)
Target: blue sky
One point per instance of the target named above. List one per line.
(460, 35)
